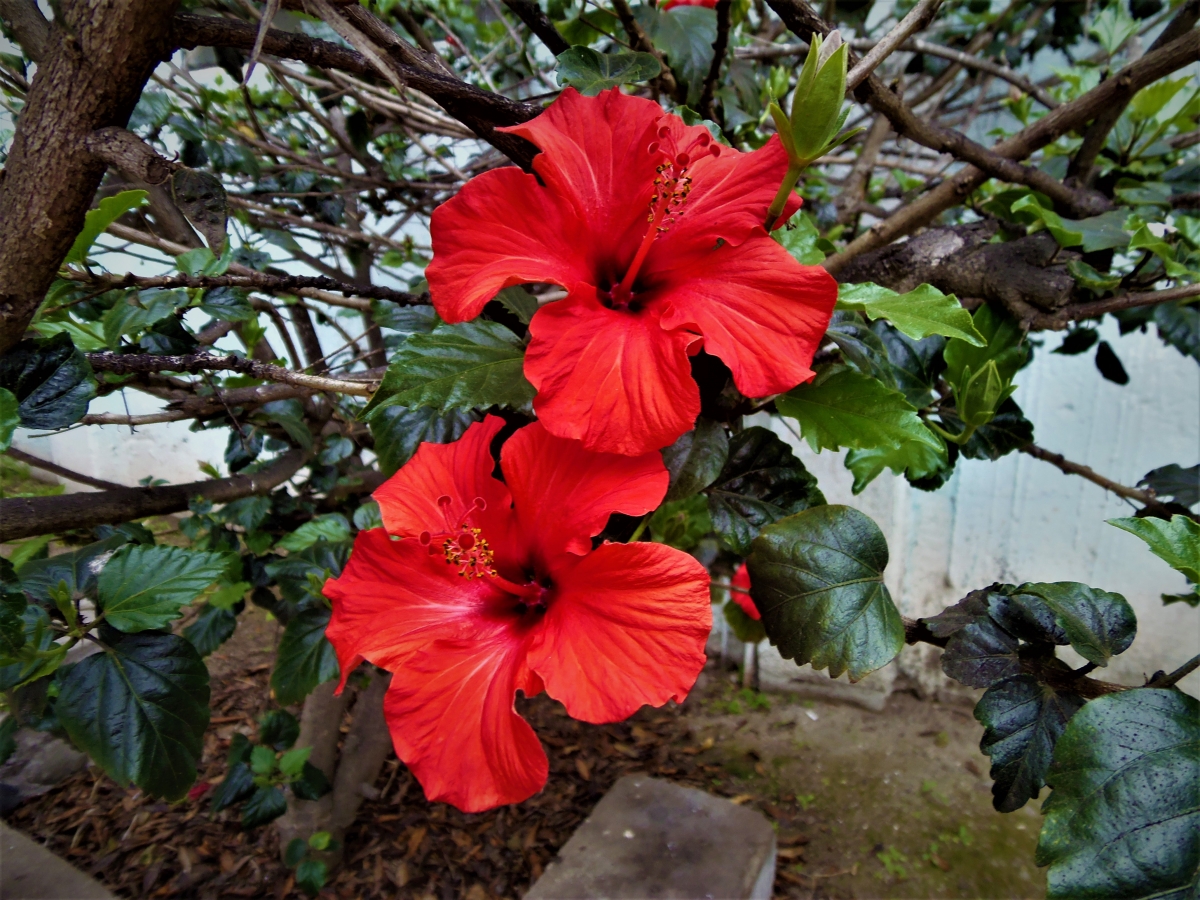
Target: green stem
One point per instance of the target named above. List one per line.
(775, 210)
(637, 532)
(957, 439)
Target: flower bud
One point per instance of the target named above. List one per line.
(817, 113)
(981, 395)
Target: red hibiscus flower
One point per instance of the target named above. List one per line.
(657, 234)
(740, 592)
(476, 589)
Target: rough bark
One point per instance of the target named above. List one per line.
(22, 517)
(28, 25)
(97, 57)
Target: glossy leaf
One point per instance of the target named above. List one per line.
(311, 875)
(1003, 336)
(139, 709)
(1122, 820)
(919, 313)
(1007, 431)
(681, 523)
(1022, 720)
(212, 627)
(77, 569)
(519, 302)
(305, 658)
(1174, 482)
(590, 72)
(954, 618)
(1176, 542)
(457, 367)
(51, 380)
(239, 780)
(916, 459)
(1098, 624)
(398, 431)
(265, 805)
(312, 783)
(147, 587)
(981, 653)
(817, 580)
(696, 459)
(686, 35)
(278, 729)
(745, 629)
(762, 481)
(332, 527)
(843, 408)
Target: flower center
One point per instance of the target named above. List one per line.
(464, 546)
(672, 185)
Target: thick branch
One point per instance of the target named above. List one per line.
(128, 363)
(28, 25)
(45, 466)
(720, 45)
(22, 517)
(539, 23)
(97, 58)
(364, 750)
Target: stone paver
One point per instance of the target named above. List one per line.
(650, 838)
(28, 871)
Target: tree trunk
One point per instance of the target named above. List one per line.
(97, 56)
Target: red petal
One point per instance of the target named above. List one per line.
(626, 626)
(759, 310)
(729, 198)
(595, 150)
(614, 380)
(563, 494)
(501, 229)
(453, 722)
(741, 592)
(393, 598)
(462, 471)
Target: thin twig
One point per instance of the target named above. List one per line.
(918, 17)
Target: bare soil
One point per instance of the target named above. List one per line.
(893, 804)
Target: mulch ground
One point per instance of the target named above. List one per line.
(401, 845)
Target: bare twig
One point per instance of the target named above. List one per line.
(55, 469)
(129, 363)
(918, 17)
(720, 45)
(1074, 468)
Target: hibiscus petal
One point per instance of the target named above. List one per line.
(393, 598)
(614, 380)
(729, 197)
(626, 627)
(595, 150)
(501, 229)
(563, 494)
(741, 592)
(759, 310)
(453, 722)
(462, 471)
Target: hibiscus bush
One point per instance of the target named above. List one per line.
(492, 304)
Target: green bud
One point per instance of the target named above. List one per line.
(817, 114)
(981, 394)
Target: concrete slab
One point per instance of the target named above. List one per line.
(28, 871)
(650, 838)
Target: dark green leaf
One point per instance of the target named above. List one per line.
(289, 415)
(1192, 599)
(1026, 617)
(686, 35)
(8, 730)
(249, 512)
(762, 482)
(1109, 365)
(915, 364)
(212, 627)
(1008, 430)
(337, 448)
(1122, 820)
(1078, 340)
(312, 783)
(681, 523)
(590, 72)
(139, 709)
(980, 654)
(954, 618)
(1023, 720)
(519, 301)
(237, 785)
(1098, 624)
(265, 805)
(38, 636)
(916, 459)
(1003, 336)
(1176, 542)
(456, 367)
(292, 574)
(51, 380)
(296, 850)
(696, 459)
(843, 408)
(310, 876)
(278, 729)
(332, 527)
(398, 431)
(416, 319)
(1179, 325)
(305, 659)
(229, 304)
(146, 587)
(137, 311)
(78, 569)
(746, 629)
(1174, 482)
(861, 346)
(817, 579)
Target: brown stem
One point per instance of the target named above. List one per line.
(638, 40)
(364, 751)
(720, 45)
(128, 363)
(539, 23)
(1178, 675)
(22, 517)
(1074, 468)
(28, 25)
